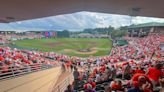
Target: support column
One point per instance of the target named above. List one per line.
(140, 32)
(132, 32)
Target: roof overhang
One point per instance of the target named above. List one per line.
(144, 25)
(17, 10)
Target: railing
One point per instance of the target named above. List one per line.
(15, 71)
(60, 87)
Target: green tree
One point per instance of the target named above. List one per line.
(64, 34)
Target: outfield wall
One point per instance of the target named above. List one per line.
(42, 81)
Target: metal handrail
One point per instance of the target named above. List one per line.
(63, 84)
(15, 71)
(22, 64)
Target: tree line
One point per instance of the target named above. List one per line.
(114, 32)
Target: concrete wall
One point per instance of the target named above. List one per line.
(41, 81)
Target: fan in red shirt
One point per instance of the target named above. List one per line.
(92, 83)
(102, 69)
(4, 68)
(95, 70)
(139, 70)
(88, 88)
(1, 49)
(136, 77)
(139, 80)
(26, 61)
(155, 73)
(117, 85)
(1, 58)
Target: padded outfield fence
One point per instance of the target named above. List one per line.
(19, 47)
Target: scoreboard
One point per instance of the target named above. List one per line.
(50, 34)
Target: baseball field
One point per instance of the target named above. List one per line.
(82, 47)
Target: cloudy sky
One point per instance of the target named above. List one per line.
(77, 21)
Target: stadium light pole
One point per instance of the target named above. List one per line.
(133, 13)
(131, 20)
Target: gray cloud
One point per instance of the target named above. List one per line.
(77, 21)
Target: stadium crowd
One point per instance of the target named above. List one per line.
(14, 59)
(137, 67)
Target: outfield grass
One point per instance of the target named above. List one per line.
(58, 45)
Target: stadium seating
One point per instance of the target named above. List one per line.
(115, 71)
(136, 58)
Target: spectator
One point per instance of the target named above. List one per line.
(71, 67)
(113, 71)
(141, 83)
(63, 67)
(140, 70)
(161, 81)
(88, 88)
(117, 85)
(155, 73)
(98, 78)
(126, 72)
(92, 83)
(4, 68)
(76, 75)
(108, 89)
(70, 89)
